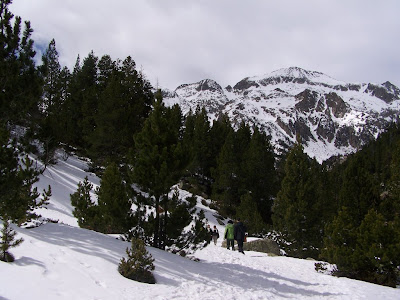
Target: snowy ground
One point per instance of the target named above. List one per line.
(62, 261)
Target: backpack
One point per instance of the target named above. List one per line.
(215, 232)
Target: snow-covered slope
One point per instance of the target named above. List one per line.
(331, 116)
(63, 179)
(62, 261)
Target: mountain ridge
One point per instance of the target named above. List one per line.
(331, 117)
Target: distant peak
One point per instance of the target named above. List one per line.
(208, 85)
(296, 72)
(202, 85)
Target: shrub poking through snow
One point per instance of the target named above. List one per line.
(8, 241)
(139, 265)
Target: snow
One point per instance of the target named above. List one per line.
(295, 72)
(63, 261)
(275, 98)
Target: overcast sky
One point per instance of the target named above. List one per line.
(185, 41)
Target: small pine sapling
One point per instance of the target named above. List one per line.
(8, 241)
(139, 265)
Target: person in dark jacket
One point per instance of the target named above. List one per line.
(215, 235)
(240, 234)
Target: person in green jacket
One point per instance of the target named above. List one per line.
(229, 235)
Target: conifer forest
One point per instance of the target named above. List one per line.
(345, 211)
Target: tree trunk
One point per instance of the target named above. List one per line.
(157, 223)
(164, 225)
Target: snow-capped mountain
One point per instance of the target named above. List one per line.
(332, 117)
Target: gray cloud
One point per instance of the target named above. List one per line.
(185, 41)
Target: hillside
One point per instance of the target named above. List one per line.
(62, 261)
(332, 117)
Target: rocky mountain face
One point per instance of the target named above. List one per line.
(331, 117)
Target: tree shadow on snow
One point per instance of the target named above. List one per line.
(27, 261)
(237, 276)
(80, 240)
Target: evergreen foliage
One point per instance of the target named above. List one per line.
(179, 217)
(226, 185)
(85, 210)
(250, 214)
(123, 105)
(199, 229)
(202, 145)
(377, 250)
(51, 103)
(112, 213)
(196, 238)
(339, 241)
(51, 72)
(218, 133)
(98, 108)
(294, 212)
(19, 79)
(8, 241)
(114, 203)
(245, 164)
(363, 238)
(139, 264)
(18, 198)
(197, 142)
(158, 160)
(258, 173)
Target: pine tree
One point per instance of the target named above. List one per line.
(19, 80)
(248, 212)
(113, 200)
(363, 239)
(200, 151)
(82, 103)
(51, 72)
(85, 209)
(226, 175)
(200, 143)
(294, 210)
(360, 190)
(197, 237)
(218, 133)
(340, 241)
(390, 205)
(139, 265)
(258, 169)
(138, 92)
(157, 160)
(89, 94)
(368, 252)
(376, 256)
(72, 108)
(50, 104)
(124, 104)
(179, 217)
(8, 241)
(61, 129)
(18, 198)
(107, 68)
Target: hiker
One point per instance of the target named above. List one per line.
(229, 235)
(215, 235)
(210, 233)
(240, 234)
